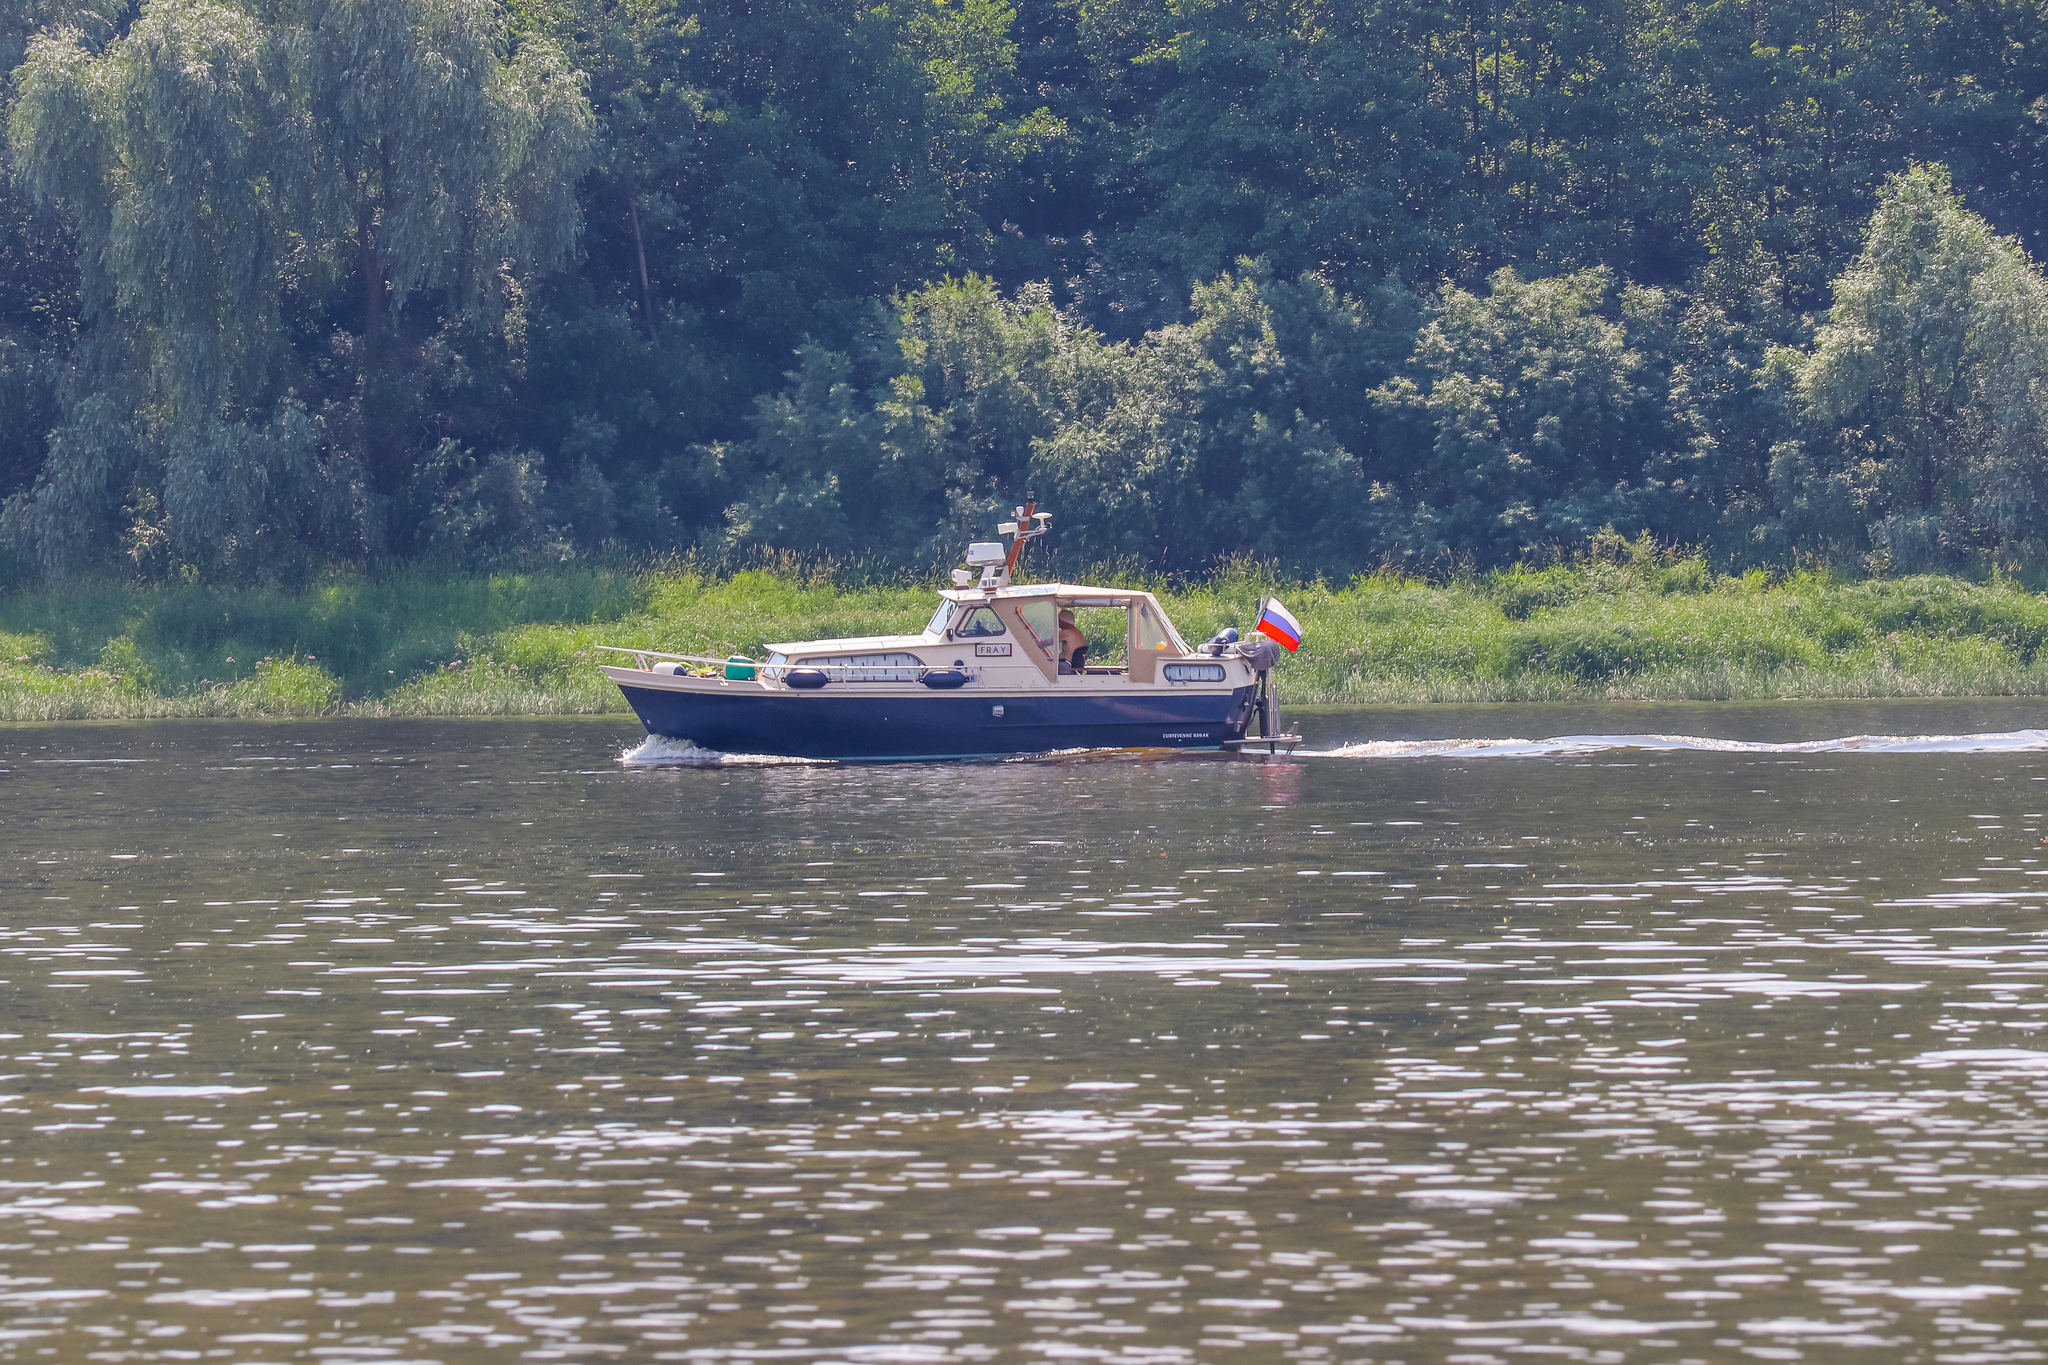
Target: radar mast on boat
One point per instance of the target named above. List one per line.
(989, 556)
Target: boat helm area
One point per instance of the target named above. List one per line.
(1050, 634)
(1122, 635)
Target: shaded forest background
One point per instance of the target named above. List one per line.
(292, 285)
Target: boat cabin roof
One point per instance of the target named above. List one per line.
(1068, 594)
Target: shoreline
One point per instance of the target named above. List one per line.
(229, 703)
(415, 645)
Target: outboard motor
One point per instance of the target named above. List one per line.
(1262, 653)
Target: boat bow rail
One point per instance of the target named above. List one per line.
(840, 668)
(646, 659)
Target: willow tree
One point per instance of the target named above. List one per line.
(156, 147)
(228, 163)
(1928, 387)
(433, 152)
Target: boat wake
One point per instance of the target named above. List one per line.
(659, 751)
(1572, 746)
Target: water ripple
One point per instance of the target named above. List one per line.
(1643, 1051)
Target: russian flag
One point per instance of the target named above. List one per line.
(1277, 623)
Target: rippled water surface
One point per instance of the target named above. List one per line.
(1627, 1034)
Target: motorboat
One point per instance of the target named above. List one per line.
(990, 674)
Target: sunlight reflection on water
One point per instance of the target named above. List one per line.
(461, 1042)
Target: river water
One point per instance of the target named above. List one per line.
(469, 1041)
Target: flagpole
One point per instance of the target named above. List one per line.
(1264, 680)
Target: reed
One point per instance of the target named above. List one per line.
(1633, 626)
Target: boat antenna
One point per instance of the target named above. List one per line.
(1029, 525)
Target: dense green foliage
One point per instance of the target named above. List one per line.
(291, 286)
(1628, 623)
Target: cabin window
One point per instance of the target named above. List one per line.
(1108, 632)
(979, 623)
(937, 625)
(868, 668)
(1151, 631)
(1043, 618)
(1211, 673)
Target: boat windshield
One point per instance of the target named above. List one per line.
(1151, 632)
(979, 622)
(1043, 618)
(937, 625)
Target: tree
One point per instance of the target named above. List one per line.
(1527, 417)
(884, 264)
(1926, 393)
(1197, 441)
(925, 452)
(433, 149)
(1395, 137)
(226, 165)
(1224, 436)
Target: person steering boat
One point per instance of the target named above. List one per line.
(1073, 645)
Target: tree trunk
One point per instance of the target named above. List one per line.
(375, 278)
(373, 287)
(646, 292)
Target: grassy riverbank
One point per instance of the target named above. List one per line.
(426, 644)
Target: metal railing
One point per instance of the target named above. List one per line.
(646, 659)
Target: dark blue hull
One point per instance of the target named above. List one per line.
(847, 725)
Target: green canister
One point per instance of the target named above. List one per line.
(738, 669)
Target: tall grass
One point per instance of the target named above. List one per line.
(1623, 627)
(1590, 632)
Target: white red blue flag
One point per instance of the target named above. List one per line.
(1278, 623)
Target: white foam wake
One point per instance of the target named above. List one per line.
(659, 751)
(1567, 746)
